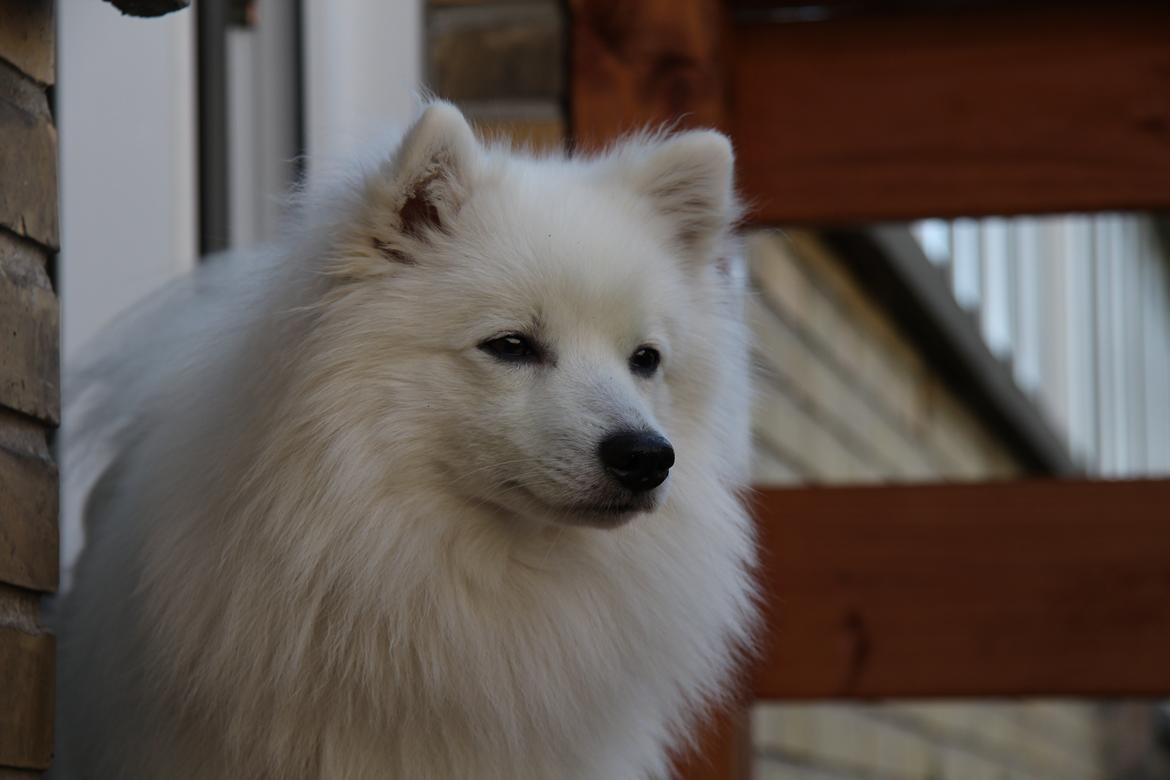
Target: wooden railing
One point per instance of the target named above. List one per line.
(1027, 588)
(1008, 589)
(980, 108)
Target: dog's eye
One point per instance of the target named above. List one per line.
(644, 361)
(511, 347)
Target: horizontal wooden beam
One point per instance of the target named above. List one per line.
(643, 64)
(1046, 588)
(1005, 109)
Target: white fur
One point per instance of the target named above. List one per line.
(331, 537)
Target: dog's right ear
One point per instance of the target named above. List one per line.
(424, 185)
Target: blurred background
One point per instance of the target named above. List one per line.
(1025, 345)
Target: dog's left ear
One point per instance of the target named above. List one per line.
(688, 180)
(421, 189)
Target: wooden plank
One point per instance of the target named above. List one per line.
(19, 608)
(722, 750)
(540, 135)
(996, 110)
(28, 331)
(26, 717)
(28, 160)
(1031, 588)
(28, 521)
(510, 52)
(26, 37)
(637, 65)
(23, 435)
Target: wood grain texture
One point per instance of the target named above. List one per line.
(23, 435)
(29, 402)
(28, 522)
(1045, 588)
(26, 37)
(722, 749)
(1000, 110)
(28, 331)
(19, 608)
(513, 52)
(26, 682)
(28, 159)
(638, 65)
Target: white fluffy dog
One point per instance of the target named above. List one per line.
(443, 485)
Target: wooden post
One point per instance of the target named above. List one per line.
(636, 66)
(722, 749)
(1011, 589)
(639, 65)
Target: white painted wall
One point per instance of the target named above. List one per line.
(126, 119)
(363, 68)
(126, 103)
(126, 109)
(262, 121)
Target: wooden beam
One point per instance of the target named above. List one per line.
(26, 714)
(1005, 109)
(639, 65)
(722, 750)
(28, 521)
(1044, 588)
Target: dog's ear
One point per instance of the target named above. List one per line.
(424, 185)
(688, 180)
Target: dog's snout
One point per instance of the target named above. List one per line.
(639, 460)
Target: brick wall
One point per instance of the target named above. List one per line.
(843, 397)
(28, 383)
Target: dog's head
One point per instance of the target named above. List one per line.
(548, 336)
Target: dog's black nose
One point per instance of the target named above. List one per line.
(640, 461)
